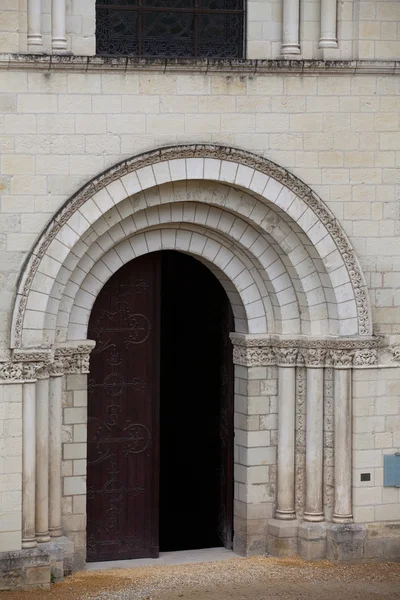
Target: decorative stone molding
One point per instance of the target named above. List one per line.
(313, 352)
(240, 157)
(28, 365)
(239, 67)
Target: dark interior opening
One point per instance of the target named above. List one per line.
(192, 417)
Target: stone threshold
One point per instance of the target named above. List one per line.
(244, 67)
(183, 557)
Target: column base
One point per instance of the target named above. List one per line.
(42, 538)
(290, 49)
(328, 43)
(346, 541)
(29, 543)
(312, 540)
(282, 537)
(342, 518)
(285, 515)
(314, 517)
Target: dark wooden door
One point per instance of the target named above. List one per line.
(123, 409)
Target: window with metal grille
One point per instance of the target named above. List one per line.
(170, 28)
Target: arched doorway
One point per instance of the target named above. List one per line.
(160, 411)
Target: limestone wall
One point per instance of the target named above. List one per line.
(338, 133)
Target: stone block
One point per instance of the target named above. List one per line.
(312, 540)
(282, 537)
(249, 545)
(25, 569)
(346, 542)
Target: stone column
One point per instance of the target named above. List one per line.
(35, 42)
(314, 360)
(286, 432)
(28, 464)
(42, 456)
(59, 40)
(291, 27)
(328, 37)
(342, 360)
(55, 421)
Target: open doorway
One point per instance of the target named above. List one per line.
(160, 411)
(196, 401)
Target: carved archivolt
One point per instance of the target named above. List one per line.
(198, 151)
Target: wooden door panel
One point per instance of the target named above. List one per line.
(123, 398)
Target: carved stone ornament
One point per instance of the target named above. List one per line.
(364, 358)
(75, 359)
(20, 371)
(314, 357)
(395, 350)
(254, 357)
(11, 371)
(286, 357)
(342, 359)
(241, 157)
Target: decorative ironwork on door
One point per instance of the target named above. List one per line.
(170, 28)
(122, 422)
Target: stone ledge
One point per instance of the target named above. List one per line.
(243, 67)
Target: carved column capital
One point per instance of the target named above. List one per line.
(286, 357)
(10, 371)
(75, 359)
(363, 358)
(342, 359)
(314, 357)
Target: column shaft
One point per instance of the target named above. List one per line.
(286, 443)
(55, 414)
(291, 27)
(59, 40)
(28, 464)
(42, 460)
(35, 42)
(314, 444)
(328, 37)
(342, 393)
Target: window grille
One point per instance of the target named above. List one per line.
(170, 28)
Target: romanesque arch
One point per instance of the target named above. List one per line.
(302, 320)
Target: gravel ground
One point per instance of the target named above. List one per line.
(257, 578)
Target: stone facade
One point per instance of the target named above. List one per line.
(283, 177)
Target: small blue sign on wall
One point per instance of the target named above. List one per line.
(391, 470)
